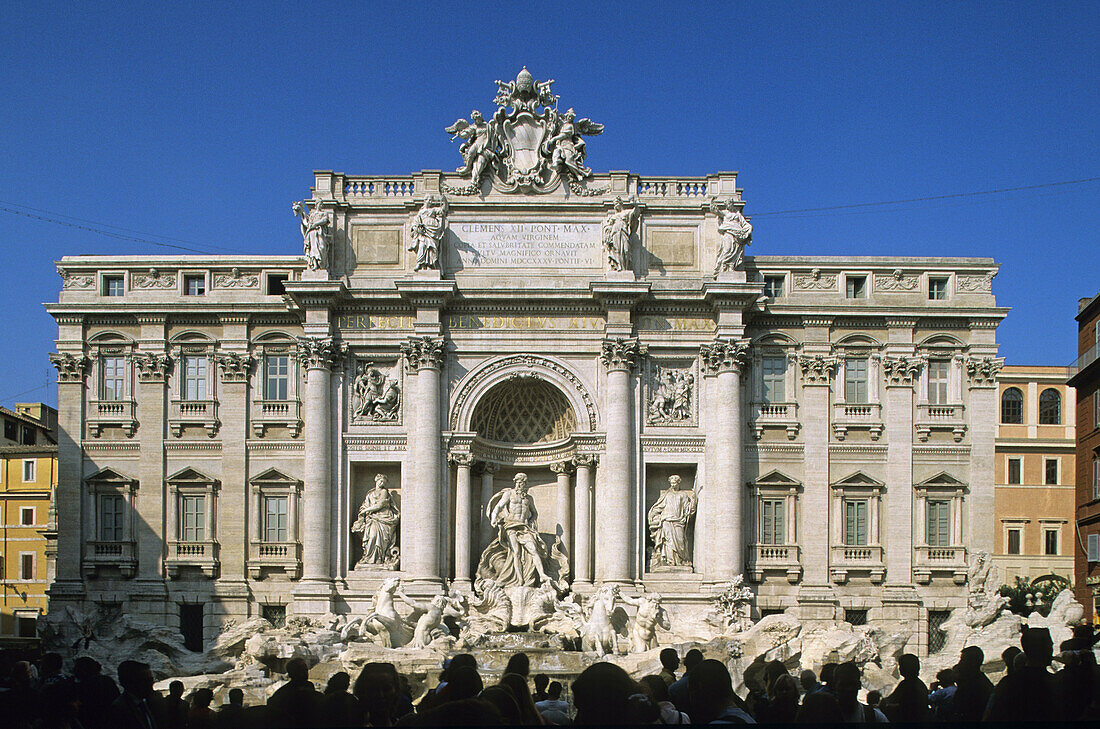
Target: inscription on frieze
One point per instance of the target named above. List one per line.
(524, 245)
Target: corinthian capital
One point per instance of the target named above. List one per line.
(817, 369)
(621, 353)
(319, 352)
(151, 367)
(234, 366)
(901, 371)
(982, 371)
(724, 355)
(423, 353)
(70, 367)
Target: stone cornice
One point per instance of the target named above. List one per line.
(422, 353)
(724, 355)
(426, 293)
(621, 353)
(619, 294)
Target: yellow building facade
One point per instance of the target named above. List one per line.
(28, 476)
(1034, 473)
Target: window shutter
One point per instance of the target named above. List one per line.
(1093, 548)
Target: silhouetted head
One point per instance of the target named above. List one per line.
(519, 663)
(541, 682)
(655, 687)
(85, 668)
(463, 682)
(136, 678)
(554, 690)
(175, 689)
(49, 664)
(946, 677)
(236, 697)
(297, 669)
(971, 659)
(808, 679)
(202, 698)
(909, 666)
(710, 689)
(785, 689)
(505, 704)
(338, 683)
(847, 683)
(468, 712)
(1037, 645)
(820, 707)
(874, 698)
(601, 694)
(772, 671)
(828, 674)
(1008, 655)
(670, 659)
(692, 659)
(376, 689)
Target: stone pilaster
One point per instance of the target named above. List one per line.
(72, 367)
(582, 519)
(817, 372)
(421, 552)
(981, 374)
(231, 500)
(615, 505)
(464, 518)
(485, 531)
(317, 355)
(901, 373)
(724, 360)
(152, 367)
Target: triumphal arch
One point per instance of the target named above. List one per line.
(524, 374)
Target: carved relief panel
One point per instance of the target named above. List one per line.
(671, 393)
(376, 391)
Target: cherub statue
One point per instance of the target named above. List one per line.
(565, 146)
(480, 152)
(316, 233)
(651, 615)
(734, 233)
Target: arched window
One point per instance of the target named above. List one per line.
(1012, 406)
(1050, 407)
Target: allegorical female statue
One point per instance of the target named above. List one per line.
(427, 229)
(316, 233)
(376, 525)
(668, 524)
(617, 229)
(734, 233)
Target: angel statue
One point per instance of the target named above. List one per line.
(316, 233)
(480, 150)
(734, 232)
(617, 229)
(427, 228)
(565, 146)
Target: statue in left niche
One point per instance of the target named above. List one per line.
(376, 525)
(426, 229)
(668, 521)
(316, 233)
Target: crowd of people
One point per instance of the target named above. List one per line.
(696, 690)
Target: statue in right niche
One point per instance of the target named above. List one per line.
(376, 525)
(668, 521)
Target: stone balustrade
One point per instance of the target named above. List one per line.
(850, 416)
(929, 560)
(846, 558)
(940, 417)
(121, 555)
(200, 554)
(279, 413)
(782, 415)
(286, 556)
(111, 413)
(775, 557)
(200, 413)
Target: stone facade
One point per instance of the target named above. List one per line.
(790, 394)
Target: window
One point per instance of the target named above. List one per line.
(194, 284)
(276, 377)
(11, 430)
(1014, 467)
(1050, 472)
(192, 518)
(937, 289)
(855, 522)
(855, 617)
(26, 566)
(939, 523)
(1050, 407)
(773, 531)
(1092, 554)
(1050, 541)
(1096, 409)
(937, 381)
(110, 518)
(274, 614)
(191, 626)
(275, 519)
(855, 380)
(113, 286)
(112, 378)
(855, 287)
(275, 283)
(1015, 537)
(29, 471)
(937, 638)
(1096, 478)
(26, 515)
(194, 378)
(26, 626)
(773, 286)
(28, 435)
(1012, 406)
(774, 374)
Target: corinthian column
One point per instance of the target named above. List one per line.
(565, 505)
(723, 359)
(463, 518)
(615, 505)
(318, 355)
(421, 523)
(582, 521)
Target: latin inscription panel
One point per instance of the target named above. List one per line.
(525, 245)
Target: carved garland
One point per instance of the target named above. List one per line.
(529, 362)
(153, 279)
(70, 280)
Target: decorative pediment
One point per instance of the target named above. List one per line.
(110, 477)
(859, 479)
(942, 480)
(190, 477)
(776, 478)
(274, 478)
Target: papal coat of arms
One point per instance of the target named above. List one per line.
(527, 145)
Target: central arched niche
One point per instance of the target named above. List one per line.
(524, 410)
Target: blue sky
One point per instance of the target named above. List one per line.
(203, 122)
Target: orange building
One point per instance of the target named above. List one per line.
(1085, 377)
(1034, 473)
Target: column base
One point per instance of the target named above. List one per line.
(422, 586)
(818, 604)
(314, 597)
(462, 585)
